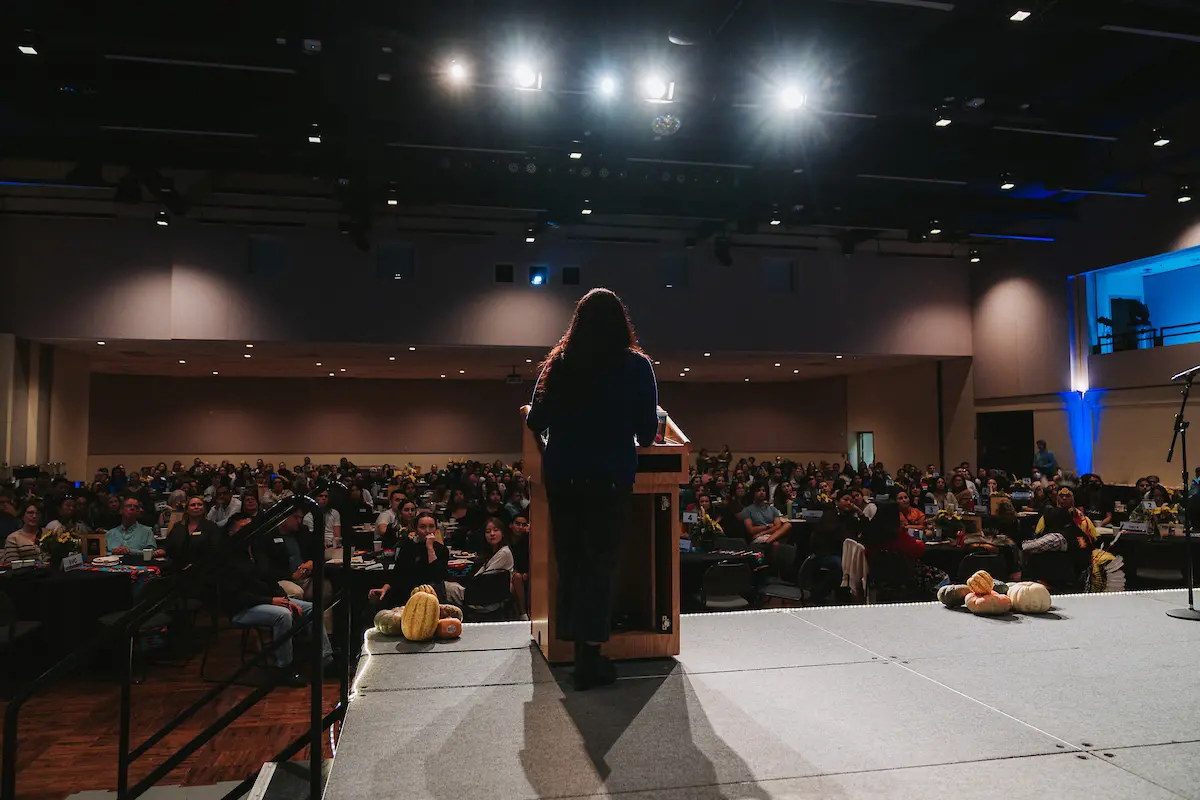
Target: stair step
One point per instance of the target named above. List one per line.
(285, 780)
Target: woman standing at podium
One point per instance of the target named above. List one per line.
(595, 394)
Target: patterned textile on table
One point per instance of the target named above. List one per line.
(854, 567)
(1047, 543)
(137, 574)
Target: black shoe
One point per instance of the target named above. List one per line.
(591, 668)
(286, 676)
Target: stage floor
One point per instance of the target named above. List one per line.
(1099, 699)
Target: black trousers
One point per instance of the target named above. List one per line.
(589, 519)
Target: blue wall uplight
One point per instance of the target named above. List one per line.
(1083, 424)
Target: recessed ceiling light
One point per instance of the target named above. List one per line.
(457, 72)
(576, 156)
(27, 49)
(391, 358)
(683, 374)
(215, 372)
(1006, 182)
(411, 349)
(100, 343)
(343, 369)
(443, 376)
(935, 227)
(708, 355)
(837, 356)
(462, 372)
(778, 364)
(249, 345)
(747, 380)
(529, 361)
(331, 374)
(795, 372)
(181, 361)
(775, 221)
(1021, 16)
(318, 363)
(1184, 195)
(1160, 138)
(245, 355)
(585, 211)
(656, 363)
(687, 369)
(974, 256)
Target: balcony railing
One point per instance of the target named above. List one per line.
(1147, 338)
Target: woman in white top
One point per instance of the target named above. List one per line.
(500, 559)
(64, 517)
(274, 493)
(22, 543)
(941, 497)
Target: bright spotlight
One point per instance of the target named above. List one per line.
(974, 256)
(1185, 194)
(27, 49)
(538, 276)
(585, 211)
(1007, 183)
(527, 78)
(1021, 16)
(792, 98)
(657, 90)
(457, 72)
(935, 227)
(608, 86)
(1160, 138)
(575, 156)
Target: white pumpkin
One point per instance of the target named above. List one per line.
(1029, 597)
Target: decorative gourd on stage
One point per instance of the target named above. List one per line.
(424, 587)
(952, 595)
(388, 620)
(988, 603)
(1000, 587)
(1029, 598)
(980, 583)
(421, 615)
(449, 628)
(448, 611)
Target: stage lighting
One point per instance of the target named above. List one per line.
(575, 156)
(942, 118)
(27, 49)
(314, 134)
(935, 227)
(1021, 15)
(539, 276)
(775, 219)
(1184, 195)
(792, 98)
(587, 209)
(973, 255)
(658, 90)
(457, 72)
(608, 86)
(527, 78)
(161, 219)
(391, 198)
(1006, 182)
(1160, 138)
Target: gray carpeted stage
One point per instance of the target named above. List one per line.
(1099, 699)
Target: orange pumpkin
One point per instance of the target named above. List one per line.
(980, 583)
(449, 628)
(989, 603)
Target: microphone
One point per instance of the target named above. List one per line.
(1187, 373)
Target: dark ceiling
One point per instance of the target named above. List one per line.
(231, 88)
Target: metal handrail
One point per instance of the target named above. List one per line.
(129, 622)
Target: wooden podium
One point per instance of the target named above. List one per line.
(646, 590)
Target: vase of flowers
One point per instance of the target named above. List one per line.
(949, 524)
(58, 544)
(1162, 517)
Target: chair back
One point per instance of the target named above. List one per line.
(783, 562)
(727, 579)
(806, 573)
(890, 568)
(728, 543)
(991, 563)
(488, 588)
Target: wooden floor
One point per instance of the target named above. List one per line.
(68, 736)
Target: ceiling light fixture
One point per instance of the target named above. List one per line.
(935, 227)
(343, 369)
(608, 86)
(795, 372)
(526, 78)
(215, 372)
(391, 358)
(658, 90)
(708, 355)
(1185, 194)
(411, 349)
(314, 135)
(1021, 15)
(27, 49)
(318, 363)
(942, 118)
(462, 372)
(161, 219)
(687, 369)
(683, 374)
(747, 380)
(245, 355)
(656, 363)
(837, 356)
(973, 256)
(778, 364)
(102, 343)
(181, 361)
(443, 376)
(391, 198)
(576, 155)
(331, 374)
(1006, 182)
(249, 345)
(585, 211)
(457, 72)
(1160, 138)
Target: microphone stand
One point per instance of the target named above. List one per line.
(1181, 426)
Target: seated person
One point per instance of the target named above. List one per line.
(397, 520)
(886, 533)
(497, 557)
(764, 524)
(252, 597)
(275, 492)
(420, 559)
(1064, 529)
(131, 536)
(250, 504)
(194, 538)
(910, 515)
(516, 504)
(22, 544)
(357, 510)
(940, 497)
(518, 543)
(866, 509)
(176, 504)
(784, 499)
(333, 520)
(225, 505)
(66, 518)
(834, 528)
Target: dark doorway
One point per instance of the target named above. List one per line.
(1005, 440)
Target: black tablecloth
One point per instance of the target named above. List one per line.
(66, 603)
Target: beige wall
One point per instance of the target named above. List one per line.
(900, 407)
(958, 409)
(69, 391)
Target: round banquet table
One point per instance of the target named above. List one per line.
(66, 603)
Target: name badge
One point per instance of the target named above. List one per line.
(812, 513)
(73, 561)
(278, 540)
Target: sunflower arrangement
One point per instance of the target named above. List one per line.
(58, 544)
(949, 522)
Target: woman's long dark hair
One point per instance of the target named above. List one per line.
(599, 336)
